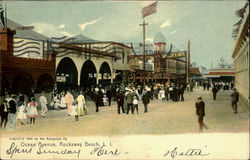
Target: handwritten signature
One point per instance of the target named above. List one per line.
(189, 152)
(101, 151)
(15, 149)
(41, 150)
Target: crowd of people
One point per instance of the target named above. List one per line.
(127, 97)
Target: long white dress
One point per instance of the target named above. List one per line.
(56, 102)
(162, 94)
(73, 110)
(21, 114)
(63, 102)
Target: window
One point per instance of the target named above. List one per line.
(128, 59)
(122, 57)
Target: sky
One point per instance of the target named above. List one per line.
(207, 24)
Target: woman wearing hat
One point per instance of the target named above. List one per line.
(32, 110)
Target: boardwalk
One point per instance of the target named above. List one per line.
(163, 118)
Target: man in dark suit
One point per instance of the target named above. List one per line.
(182, 92)
(200, 112)
(96, 100)
(120, 102)
(215, 90)
(234, 98)
(4, 113)
(145, 100)
(129, 98)
(12, 113)
(167, 92)
(109, 95)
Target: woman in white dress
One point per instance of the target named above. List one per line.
(105, 100)
(163, 97)
(32, 110)
(57, 102)
(21, 114)
(73, 112)
(63, 102)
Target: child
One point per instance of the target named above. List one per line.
(56, 102)
(135, 105)
(105, 100)
(73, 112)
(32, 110)
(63, 102)
(162, 95)
(21, 114)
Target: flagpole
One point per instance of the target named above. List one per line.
(144, 58)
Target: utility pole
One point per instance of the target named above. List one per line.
(144, 58)
(188, 61)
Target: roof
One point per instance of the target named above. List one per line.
(26, 34)
(80, 39)
(222, 73)
(159, 38)
(194, 71)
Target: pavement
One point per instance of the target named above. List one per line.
(163, 118)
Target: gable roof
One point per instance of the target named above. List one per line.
(26, 34)
(80, 39)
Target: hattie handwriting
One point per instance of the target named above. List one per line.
(189, 152)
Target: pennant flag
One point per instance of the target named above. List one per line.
(151, 9)
(240, 12)
(2, 19)
(238, 23)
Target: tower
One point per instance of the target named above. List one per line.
(6, 40)
(159, 43)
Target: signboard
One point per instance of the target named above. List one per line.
(175, 55)
(92, 75)
(60, 79)
(23, 28)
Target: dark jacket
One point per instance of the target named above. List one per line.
(12, 105)
(214, 90)
(200, 108)
(109, 94)
(120, 99)
(145, 99)
(96, 97)
(2, 109)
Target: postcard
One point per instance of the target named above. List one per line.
(124, 80)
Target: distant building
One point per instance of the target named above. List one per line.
(168, 63)
(241, 55)
(194, 73)
(23, 64)
(204, 70)
(85, 62)
(220, 74)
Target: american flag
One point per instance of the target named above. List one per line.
(146, 11)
